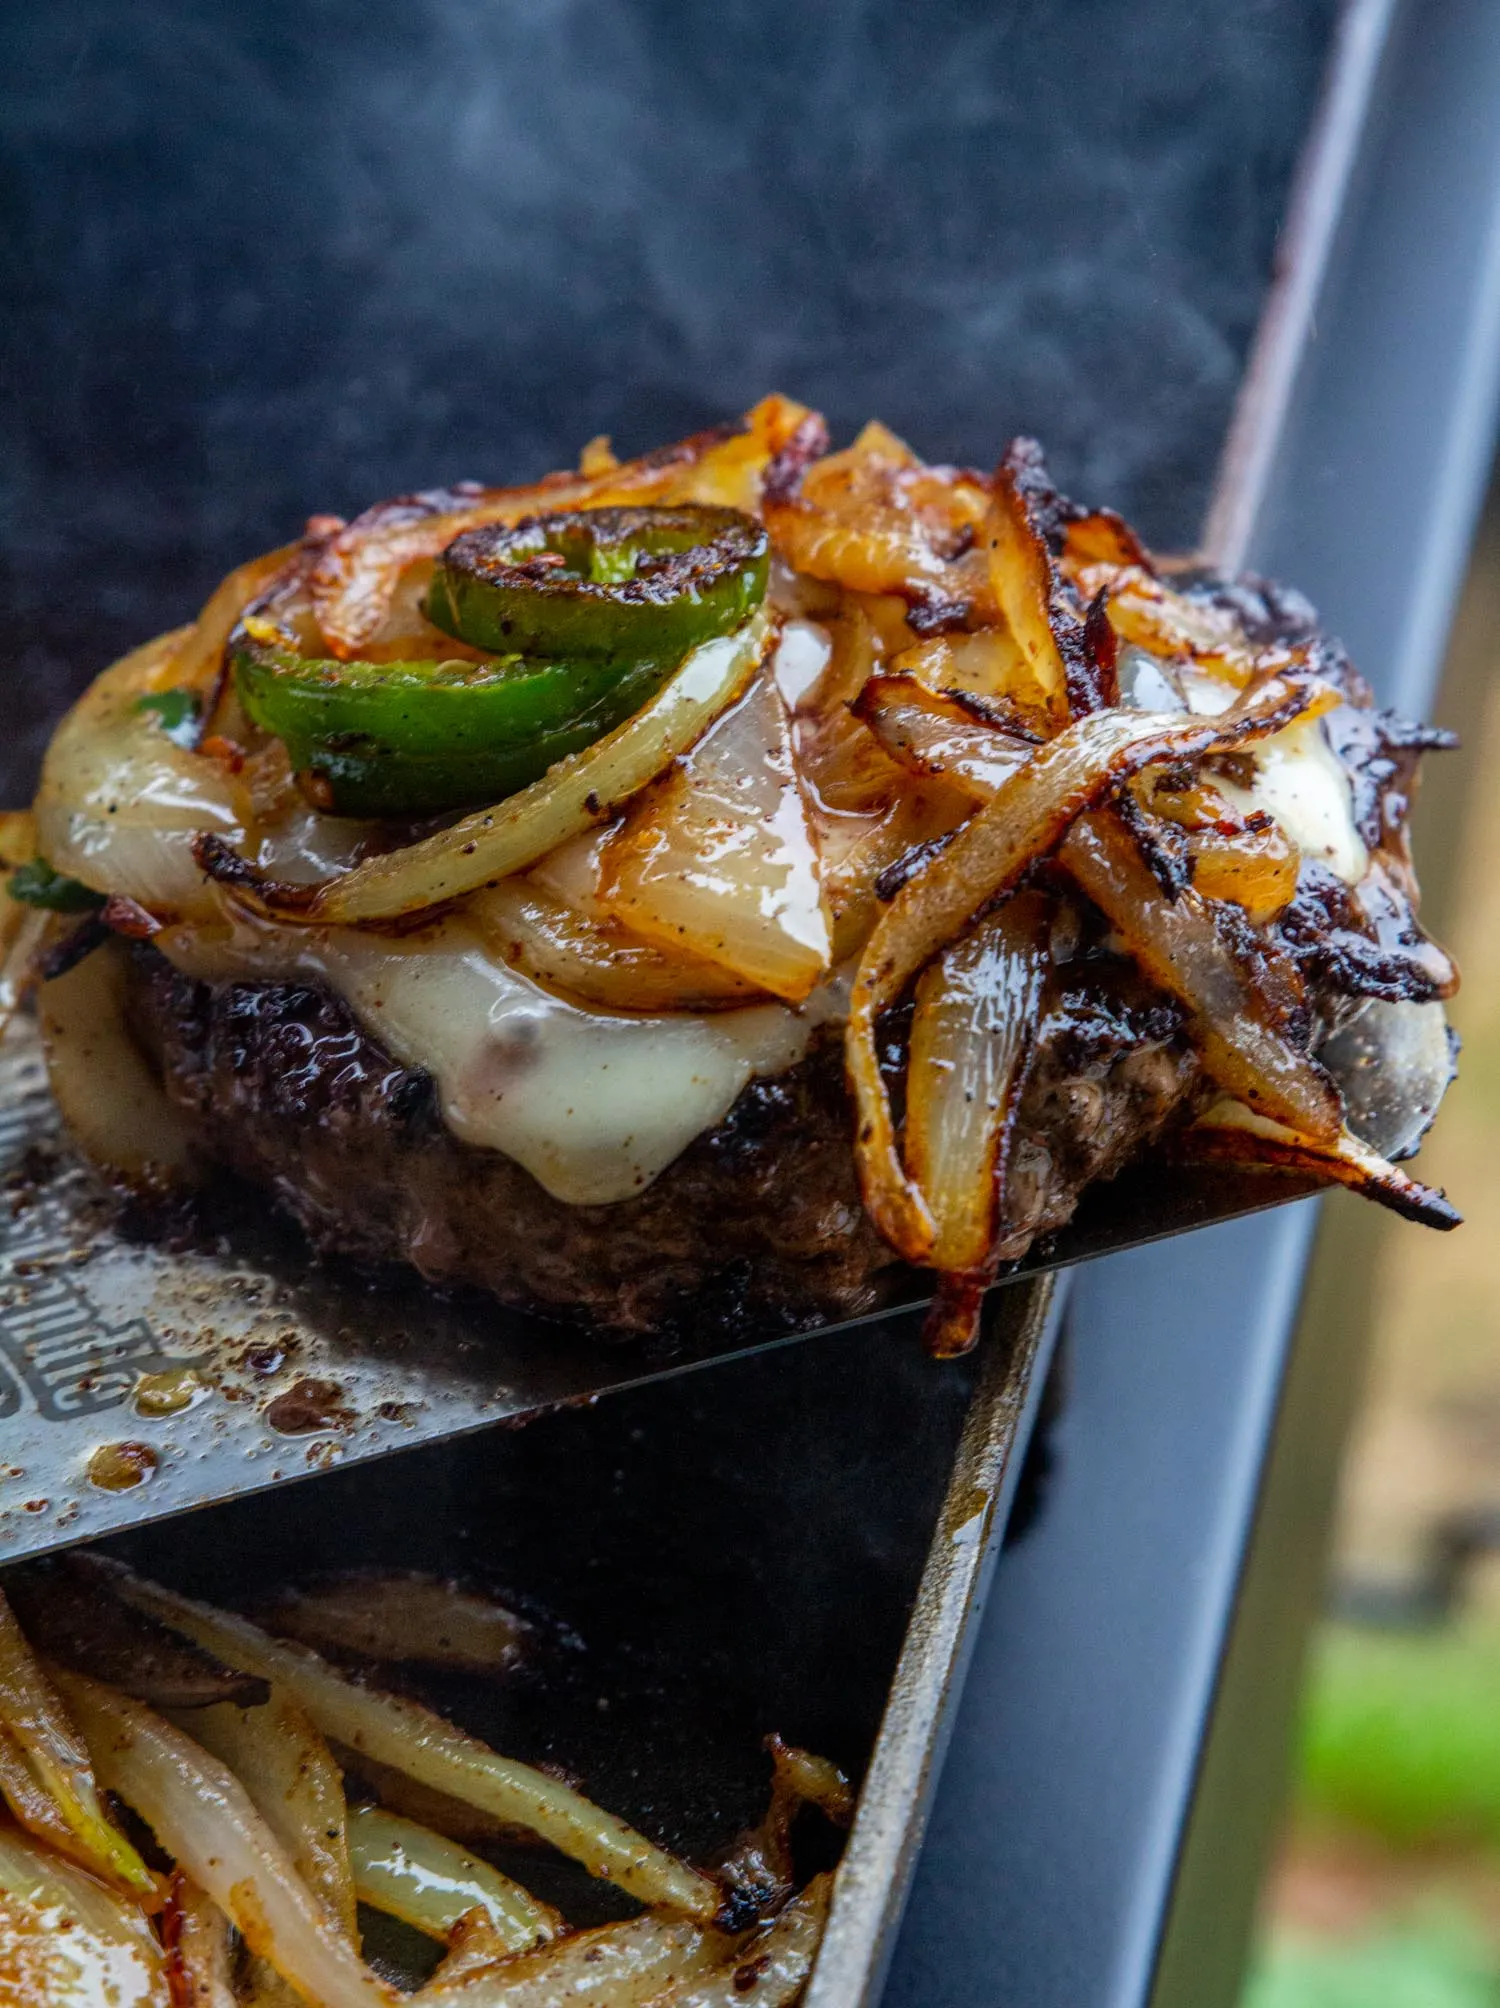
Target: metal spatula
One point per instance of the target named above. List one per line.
(139, 1379)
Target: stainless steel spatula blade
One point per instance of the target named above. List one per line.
(139, 1379)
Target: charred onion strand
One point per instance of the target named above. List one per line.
(1178, 941)
(1181, 946)
(493, 843)
(204, 1817)
(772, 1968)
(1230, 1133)
(1029, 587)
(1025, 821)
(413, 1740)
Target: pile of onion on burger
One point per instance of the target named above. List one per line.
(702, 884)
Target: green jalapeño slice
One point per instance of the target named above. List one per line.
(417, 738)
(624, 583)
(586, 614)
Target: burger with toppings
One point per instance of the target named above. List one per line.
(710, 884)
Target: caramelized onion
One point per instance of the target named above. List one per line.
(1025, 821)
(493, 843)
(198, 654)
(23, 933)
(66, 1941)
(1028, 588)
(771, 1969)
(403, 1615)
(874, 519)
(283, 1763)
(121, 804)
(617, 1966)
(37, 1812)
(597, 962)
(978, 1005)
(1182, 947)
(989, 663)
(932, 733)
(1146, 611)
(17, 837)
(109, 1096)
(718, 859)
(199, 1951)
(1254, 868)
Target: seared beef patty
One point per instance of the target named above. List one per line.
(757, 1225)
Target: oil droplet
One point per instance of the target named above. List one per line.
(309, 1405)
(117, 1467)
(170, 1392)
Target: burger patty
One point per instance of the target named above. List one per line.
(757, 1226)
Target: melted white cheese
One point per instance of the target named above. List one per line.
(593, 1105)
(1299, 780)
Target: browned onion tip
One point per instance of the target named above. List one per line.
(250, 886)
(951, 1327)
(1345, 1162)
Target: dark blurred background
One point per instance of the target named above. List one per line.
(276, 258)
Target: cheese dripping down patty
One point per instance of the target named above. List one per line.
(594, 1106)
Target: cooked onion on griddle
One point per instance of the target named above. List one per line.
(961, 714)
(268, 1859)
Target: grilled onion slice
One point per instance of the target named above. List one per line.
(430, 1882)
(54, 1753)
(874, 519)
(284, 1764)
(597, 962)
(109, 1097)
(646, 1960)
(121, 803)
(978, 1005)
(66, 1941)
(718, 859)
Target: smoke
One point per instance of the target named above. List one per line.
(293, 257)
